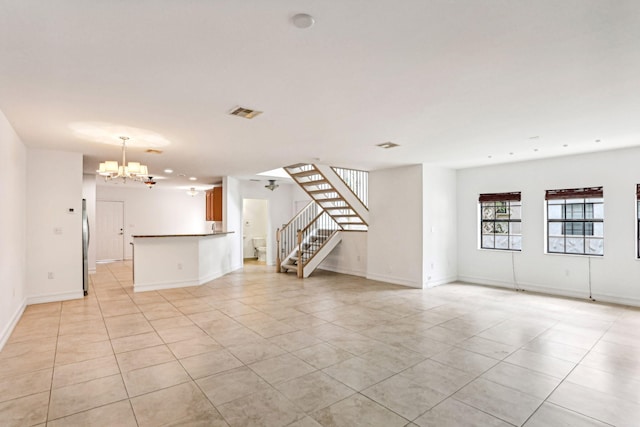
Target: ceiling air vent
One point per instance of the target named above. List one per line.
(388, 145)
(246, 113)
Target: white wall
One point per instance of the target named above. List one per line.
(439, 226)
(282, 203)
(89, 194)
(254, 224)
(394, 243)
(156, 210)
(54, 236)
(350, 256)
(614, 277)
(13, 243)
(232, 218)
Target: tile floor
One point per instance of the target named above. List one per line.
(257, 348)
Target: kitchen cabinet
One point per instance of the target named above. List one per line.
(213, 202)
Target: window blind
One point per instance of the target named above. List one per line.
(574, 193)
(499, 197)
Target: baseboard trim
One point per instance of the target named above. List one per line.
(433, 283)
(561, 292)
(61, 296)
(214, 275)
(348, 271)
(13, 322)
(159, 286)
(394, 280)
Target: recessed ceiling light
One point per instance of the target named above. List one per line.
(597, 140)
(246, 113)
(535, 149)
(488, 157)
(565, 145)
(388, 144)
(511, 153)
(168, 171)
(303, 20)
(192, 178)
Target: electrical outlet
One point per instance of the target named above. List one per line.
(50, 275)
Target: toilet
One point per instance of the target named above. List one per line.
(260, 246)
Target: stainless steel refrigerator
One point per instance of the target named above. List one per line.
(85, 248)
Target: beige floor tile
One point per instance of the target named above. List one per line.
(595, 404)
(467, 361)
(488, 348)
(549, 415)
(439, 377)
(538, 362)
(406, 397)
(79, 326)
(30, 362)
(254, 352)
(182, 404)
(154, 378)
(26, 384)
(322, 355)
(131, 324)
(142, 358)
(118, 308)
(556, 350)
(230, 385)
(393, 358)
(358, 373)
(502, 402)
(171, 322)
(181, 333)
(305, 422)
(281, 368)
(73, 373)
(83, 338)
(157, 311)
(115, 414)
(194, 346)
(136, 342)
(266, 408)
(210, 363)
(522, 379)
(621, 386)
(77, 352)
(26, 347)
(355, 411)
(314, 391)
(453, 413)
(88, 395)
(295, 341)
(24, 411)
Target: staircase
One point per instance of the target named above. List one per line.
(339, 204)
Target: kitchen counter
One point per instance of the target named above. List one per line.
(169, 261)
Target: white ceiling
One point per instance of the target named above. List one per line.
(452, 82)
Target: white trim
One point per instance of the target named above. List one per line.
(394, 280)
(534, 287)
(433, 283)
(6, 333)
(351, 272)
(60, 296)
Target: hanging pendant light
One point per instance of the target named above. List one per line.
(134, 171)
(272, 185)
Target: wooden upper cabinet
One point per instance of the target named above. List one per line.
(214, 204)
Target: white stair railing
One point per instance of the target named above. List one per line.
(287, 236)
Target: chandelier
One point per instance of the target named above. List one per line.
(272, 185)
(132, 170)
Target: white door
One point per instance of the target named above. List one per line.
(110, 230)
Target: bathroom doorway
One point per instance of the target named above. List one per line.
(255, 223)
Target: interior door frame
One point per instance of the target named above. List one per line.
(122, 249)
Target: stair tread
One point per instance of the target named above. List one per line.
(323, 191)
(305, 173)
(314, 182)
(333, 199)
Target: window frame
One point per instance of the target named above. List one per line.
(590, 196)
(494, 199)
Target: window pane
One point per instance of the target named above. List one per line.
(555, 211)
(502, 242)
(555, 228)
(556, 244)
(515, 228)
(488, 212)
(588, 211)
(487, 242)
(588, 228)
(555, 202)
(487, 227)
(598, 211)
(515, 242)
(575, 245)
(516, 212)
(501, 227)
(575, 211)
(595, 246)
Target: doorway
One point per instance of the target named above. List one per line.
(109, 230)
(255, 220)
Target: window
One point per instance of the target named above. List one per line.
(500, 225)
(575, 221)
